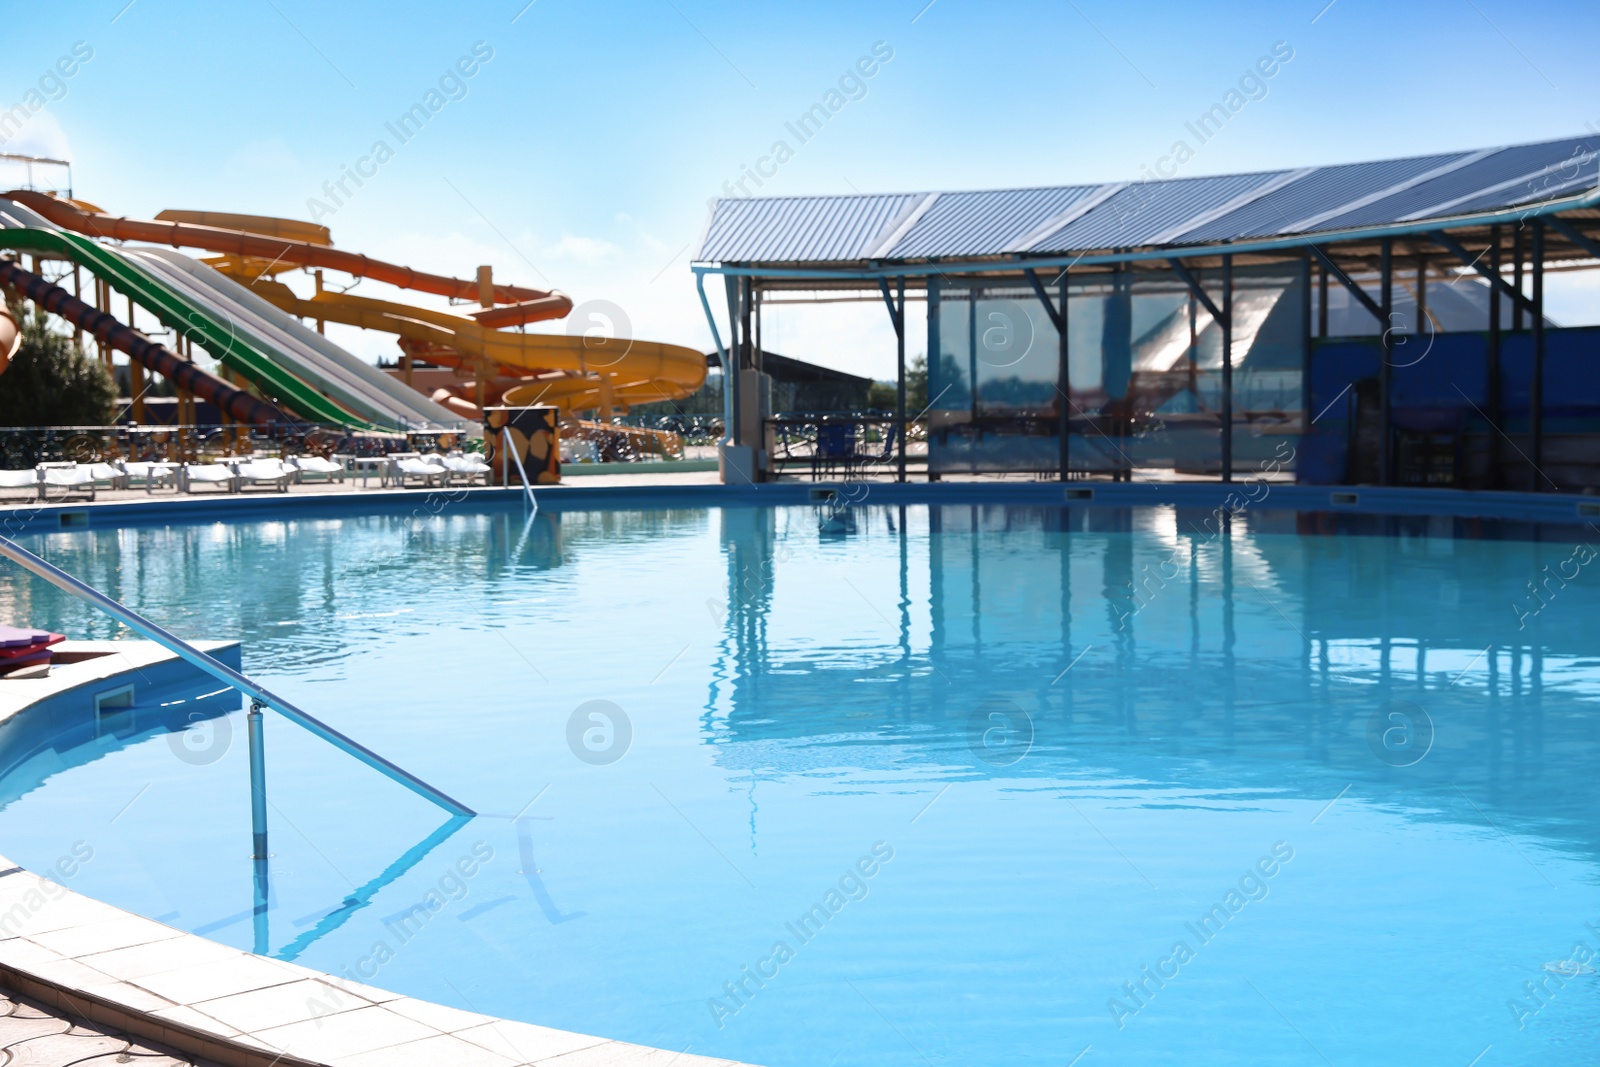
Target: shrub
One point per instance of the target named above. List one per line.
(51, 381)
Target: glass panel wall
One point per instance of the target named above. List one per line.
(1144, 370)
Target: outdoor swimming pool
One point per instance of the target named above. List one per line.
(921, 785)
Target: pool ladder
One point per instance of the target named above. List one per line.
(258, 696)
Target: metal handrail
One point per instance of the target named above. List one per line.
(225, 674)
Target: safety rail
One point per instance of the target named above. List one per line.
(225, 674)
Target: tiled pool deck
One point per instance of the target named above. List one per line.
(32, 1034)
(136, 980)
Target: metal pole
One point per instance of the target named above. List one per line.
(1064, 380)
(1492, 364)
(1536, 384)
(258, 783)
(1422, 295)
(722, 353)
(527, 488)
(935, 359)
(258, 826)
(1227, 368)
(1305, 344)
(900, 363)
(1516, 277)
(223, 673)
(1322, 301)
(1386, 303)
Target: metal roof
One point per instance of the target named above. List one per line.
(1066, 220)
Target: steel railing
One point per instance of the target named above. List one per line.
(225, 674)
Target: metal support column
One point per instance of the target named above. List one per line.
(1491, 361)
(1386, 324)
(1536, 381)
(901, 429)
(1305, 343)
(1064, 380)
(731, 369)
(1223, 317)
(1227, 368)
(1422, 296)
(1322, 301)
(1057, 311)
(935, 361)
(1516, 277)
(896, 302)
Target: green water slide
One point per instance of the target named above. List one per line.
(177, 312)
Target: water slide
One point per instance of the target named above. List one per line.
(231, 401)
(574, 373)
(356, 385)
(285, 246)
(218, 337)
(266, 346)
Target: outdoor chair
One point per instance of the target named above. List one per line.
(68, 477)
(191, 475)
(460, 465)
(316, 466)
(149, 475)
(835, 448)
(28, 479)
(107, 473)
(273, 472)
(406, 465)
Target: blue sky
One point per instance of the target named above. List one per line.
(582, 154)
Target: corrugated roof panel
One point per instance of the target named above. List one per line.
(1146, 209)
(984, 223)
(1342, 184)
(1560, 183)
(1509, 164)
(807, 228)
(842, 229)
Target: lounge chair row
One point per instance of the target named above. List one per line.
(235, 475)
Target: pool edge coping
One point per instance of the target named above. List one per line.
(1237, 497)
(56, 976)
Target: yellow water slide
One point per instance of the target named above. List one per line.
(572, 373)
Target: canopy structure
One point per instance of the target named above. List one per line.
(1500, 216)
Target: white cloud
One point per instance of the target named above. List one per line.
(582, 249)
(40, 135)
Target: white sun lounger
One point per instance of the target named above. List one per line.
(67, 477)
(273, 472)
(316, 465)
(414, 465)
(28, 479)
(193, 474)
(460, 465)
(149, 475)
(105, 472)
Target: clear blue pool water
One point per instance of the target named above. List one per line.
(1350, 770)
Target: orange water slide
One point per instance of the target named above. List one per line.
(574, 373)
(293, 248)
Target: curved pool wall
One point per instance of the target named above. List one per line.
(1515, 516)
(1537, 508)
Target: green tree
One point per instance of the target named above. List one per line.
(51, 381)
(882, 395)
